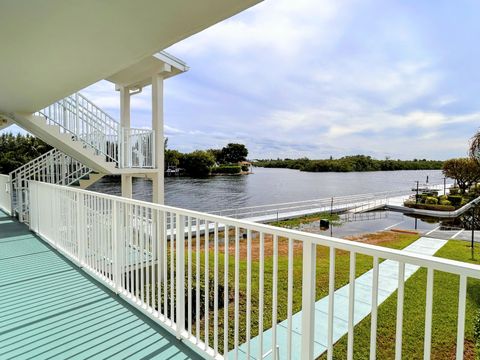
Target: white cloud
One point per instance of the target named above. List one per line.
(313, 78)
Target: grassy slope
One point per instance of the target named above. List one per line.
(444, 315)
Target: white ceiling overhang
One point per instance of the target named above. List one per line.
(52, 48)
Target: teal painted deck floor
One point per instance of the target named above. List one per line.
(50, 309)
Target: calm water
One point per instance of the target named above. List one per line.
(269, 186)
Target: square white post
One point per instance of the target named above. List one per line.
(124, 147)
(308, 299)
(157, 126)
(180, 275)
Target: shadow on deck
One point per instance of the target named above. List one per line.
(49, 308)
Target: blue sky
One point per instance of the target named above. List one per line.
(326, 77)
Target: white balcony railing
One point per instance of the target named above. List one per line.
(5, 198)
(154, 257)
(86, 122)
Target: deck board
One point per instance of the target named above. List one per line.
(49, 308)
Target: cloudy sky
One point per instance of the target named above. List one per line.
(326, 77)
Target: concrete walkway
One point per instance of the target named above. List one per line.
(388, 280)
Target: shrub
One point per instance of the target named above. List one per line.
(245, 167)
(442, 197)
(456, 200)
(198, 163)
(431, 200)
(445, 202)
(227, 169)
(435, 207)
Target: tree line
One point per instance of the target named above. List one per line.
(17, 150)
(202, 163)
(351, 163)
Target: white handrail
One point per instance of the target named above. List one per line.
(143, 250)
(337, 203)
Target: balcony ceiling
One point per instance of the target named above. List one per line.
(52, 48)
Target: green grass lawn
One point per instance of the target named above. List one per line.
(363, 264)
(444, 306)
(445, 302)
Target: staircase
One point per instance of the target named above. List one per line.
(53, 167)
(88, 144)
(83, 131)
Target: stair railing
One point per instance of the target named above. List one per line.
(86, 122)
(53, 167)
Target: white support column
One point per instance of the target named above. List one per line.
(157, 126)
(127, 187)
(124, 106)
(125, 123)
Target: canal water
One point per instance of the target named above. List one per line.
(269, 186)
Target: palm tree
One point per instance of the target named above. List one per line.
(475, 146)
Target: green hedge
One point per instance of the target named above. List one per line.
(435, 207)
(227, 169)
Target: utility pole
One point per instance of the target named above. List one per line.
(416, 197)
(444, 186)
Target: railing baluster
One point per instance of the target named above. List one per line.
(274, 296)
(400, 298)
(137, 253)
(197, 280)
(225, 292)
(141, 220)
(172, 264)
(331, 300)
(189, 274)
(207, 283)
(148, 256)
(374, 312)
(180, 275)
(260, 293)
(237, 289)
(249, 291)
(164, 264)
(215, 289)
(290, 297)
(428, 315)
(351, 306)
(308, 298)
(462, 294)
